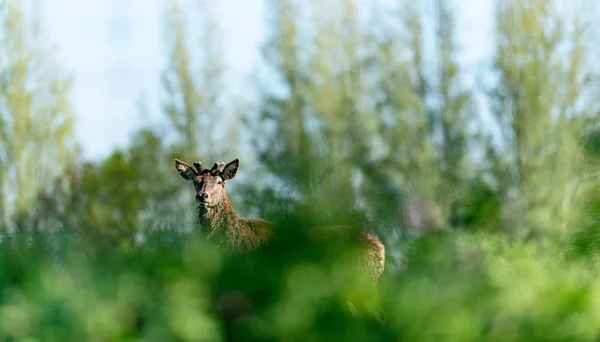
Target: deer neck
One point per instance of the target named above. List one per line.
(218, 219)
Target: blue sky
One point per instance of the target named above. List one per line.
(113, 50)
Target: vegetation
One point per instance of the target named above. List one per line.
(485, 196)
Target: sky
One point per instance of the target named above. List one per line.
(113, 49)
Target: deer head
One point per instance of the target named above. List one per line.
(209, 184)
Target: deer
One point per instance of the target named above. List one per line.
(220, 220)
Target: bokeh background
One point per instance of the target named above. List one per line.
(463, 134)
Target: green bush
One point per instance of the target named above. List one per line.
(456, 286)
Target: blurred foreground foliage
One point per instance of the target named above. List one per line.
(457, 286)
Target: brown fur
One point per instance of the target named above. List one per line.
(242, 234)
(374, 255)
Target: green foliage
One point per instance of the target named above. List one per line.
(480, 287)
(481, 209)
(585, 240)
(365, 121)
(147, 196)
(36, 122)
(193, 94)
(537, 105)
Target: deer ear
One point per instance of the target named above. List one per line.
(230, 169)
(186, 171)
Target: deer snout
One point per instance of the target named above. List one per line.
(202, 196)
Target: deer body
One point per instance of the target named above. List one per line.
(240, 234)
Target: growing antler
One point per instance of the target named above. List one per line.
(217, 166)
(203, 169)
(198, 165)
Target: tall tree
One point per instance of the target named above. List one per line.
(36, 120)
(451, 112)
(536, 104)
(283, 140)
(337, 93)
(404, 161)
(193, 92)
(353, 101)
(315, 121)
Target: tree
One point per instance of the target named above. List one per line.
(405, 163)
(452, 112)
(313, 122)
(193, 94)
(536, 105)
(36, 120)
(117, 200)
(281, 138)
